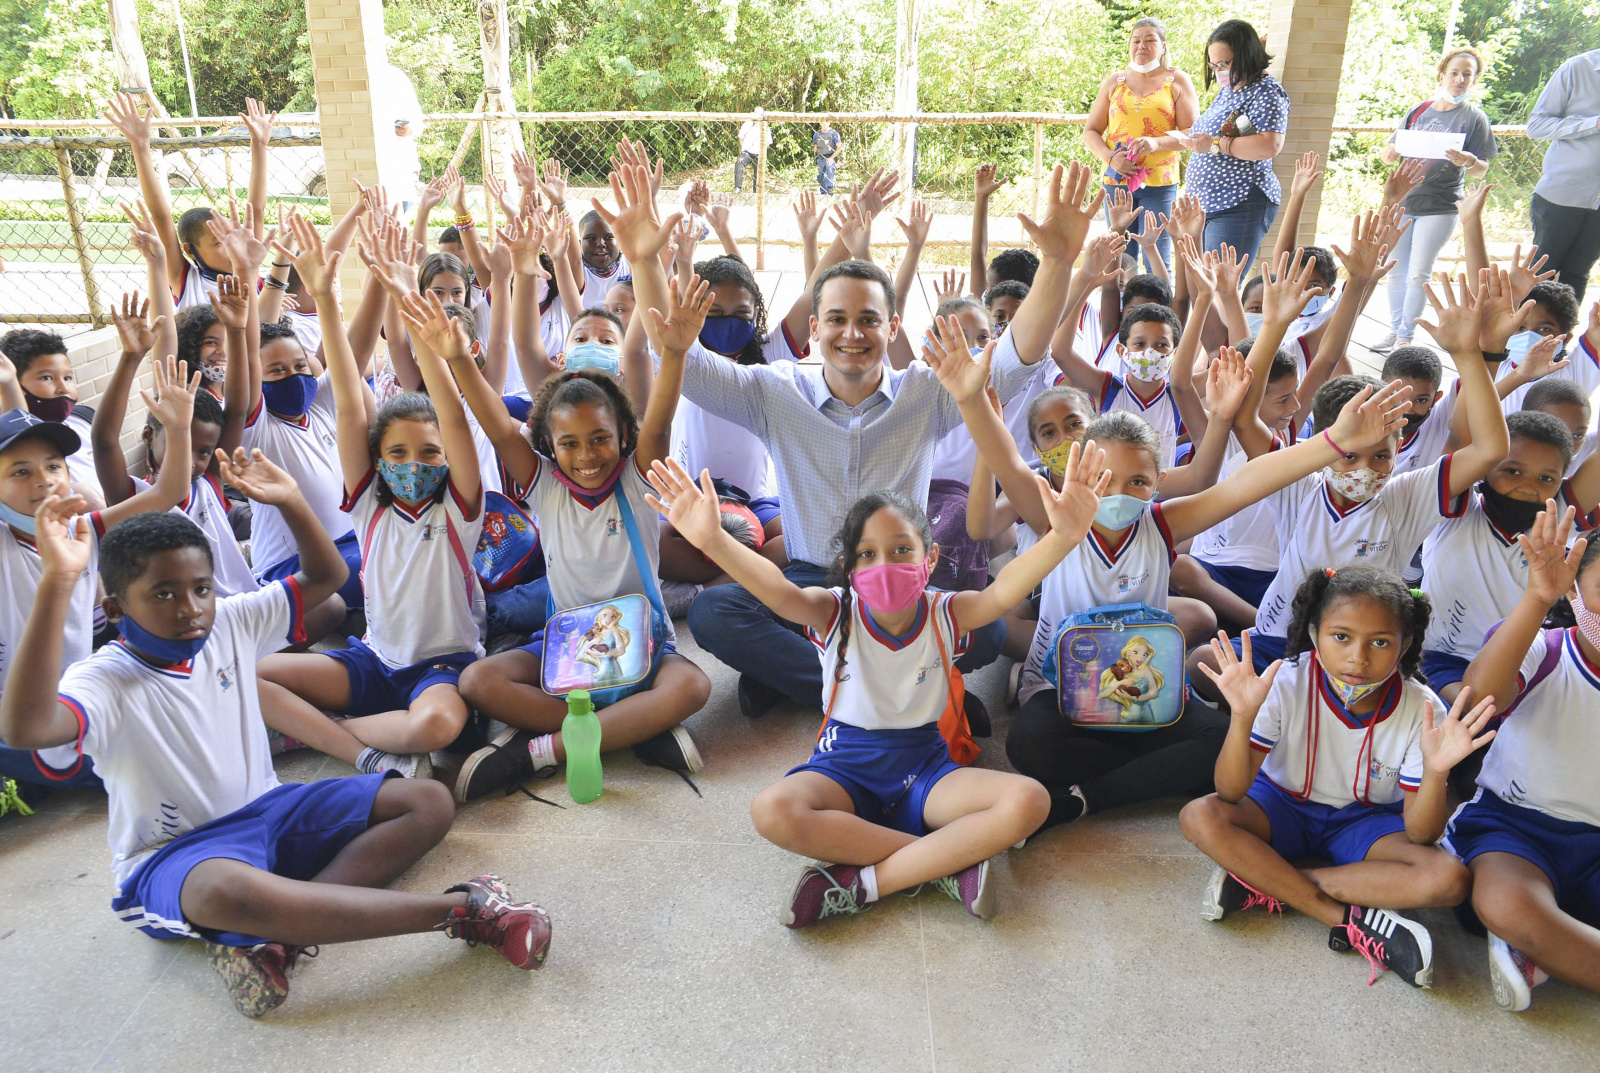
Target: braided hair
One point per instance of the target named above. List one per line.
(578, 388)
(849, 536)
(1324, 587)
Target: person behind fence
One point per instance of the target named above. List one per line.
(750, 141)
(1565, 206)
(36, 375)
(825, 143)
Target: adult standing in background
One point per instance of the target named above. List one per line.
(1566, 203)
(1135, 108)
(399, 165)
(749, 151)
(1431, 206)
(826, 144)
(1235, 140)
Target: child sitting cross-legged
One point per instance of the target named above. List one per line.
(881, 797)
(1321, 752)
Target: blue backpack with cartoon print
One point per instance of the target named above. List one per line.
(1118, 667)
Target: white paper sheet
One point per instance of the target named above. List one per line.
(1427, 144)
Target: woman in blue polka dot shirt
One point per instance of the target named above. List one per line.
(1235, 139)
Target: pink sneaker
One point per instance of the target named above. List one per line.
(972, 889)
(824, 890)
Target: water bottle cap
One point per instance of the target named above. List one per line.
(578, 701)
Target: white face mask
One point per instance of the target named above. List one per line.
(1358, 485)
(1148, 364)
(1444, 96)
(1145, 68)
(1252, 321)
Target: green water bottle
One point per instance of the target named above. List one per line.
(580, 733)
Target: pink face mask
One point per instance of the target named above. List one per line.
(891, 587)
(1588, 621)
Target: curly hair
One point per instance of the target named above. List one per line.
(193, 324)
(128, 547)
(1019, 265)
(26, 345)
(729, 268)
(578, 388)
(849, 536)
(1321, 588)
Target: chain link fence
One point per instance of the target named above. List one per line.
(67, 257)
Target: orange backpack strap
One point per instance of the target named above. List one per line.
(953, 723)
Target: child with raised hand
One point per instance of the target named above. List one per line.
(413, 491)
(880, 797)
(1127, 559)
(33, 469)
(1531, 836)
(584, 478)
(1321, 752)
(171, 720)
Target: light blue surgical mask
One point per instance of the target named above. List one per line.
(1252, 321)
(17, 520)
(1317, 304)
(1518, 345)
(594, 356)
(1455, 100)
(1119, 512)
(412, 481)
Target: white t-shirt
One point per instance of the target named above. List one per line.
(488, 457)
(1385, 531)
(1095, 574)
(422, 594)
(197, 290)
(1426, 445)
(308, 450)
(208, 508)
(1247, 539)
(750, 137)
(586, 546)
(1374, 759)
(596, 285)
(890, 683)
(1584, 371)
(1160, 412)
(80, 464)
(956, 454)
(1544, 756)
(183, 745)
(553, 329)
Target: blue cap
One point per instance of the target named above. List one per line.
(20, 424)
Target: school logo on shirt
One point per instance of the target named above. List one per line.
(1365, 548)
(922, 673)
(1129, 582)
(1515, 793)
(224, 679)
(1378, 771)
(328, 440)
(613, 527)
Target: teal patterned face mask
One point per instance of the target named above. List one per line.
(412, 481)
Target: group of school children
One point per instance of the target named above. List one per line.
(1349, 617)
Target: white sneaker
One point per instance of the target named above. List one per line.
(411, 765)
(1386, 344)
(1013, 684)
(676, 596)
(1512, 975)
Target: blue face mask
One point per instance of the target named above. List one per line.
(1317, 304)
(607, 359)
(1518, 345)
(292, 396)
(1119, 512)
(412, 481)
(727, 335)
(17, 520)
(160, 647)
(1455, 100)
(1252, 321)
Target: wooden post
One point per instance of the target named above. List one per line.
(80, 243)
(761, 191)
(908, 31)
(1038, 165)
(501, 137)
(133, 76)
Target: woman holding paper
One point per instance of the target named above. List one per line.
(1455, 138)
(1135, 107)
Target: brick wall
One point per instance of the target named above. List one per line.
(1307, 41)
(94, 357)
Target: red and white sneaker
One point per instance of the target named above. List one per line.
(971, 887)
(825, 890)
(519, 931)
(257, 977)
(1514, 977)
(1227, 893)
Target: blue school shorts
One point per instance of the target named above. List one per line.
(887, 773)
(1248, 585)
(1311, 829)
(292, 830)
(765, 508)
(374, 688)
(1264, 648)
(1566, 851)
(1443, 668)
(349, 550)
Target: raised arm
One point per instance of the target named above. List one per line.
(984, 517)
(640, 236)
(497, 338)
(241, 350)
(560, 241)
(1203, 272)
(1364, 266)
(322, 568)
(1245, 691)
(441, 338)
(1307, 170)
(1459, 320)
(171, 401)
(1470, 209)
(1228, 379)
(456, 190)
(677, 330)
(259, 124)
(984, 185)
(136, 125)
(1283, 295)
(808, 218)
(717, 217)
(143, 237)
(1069, 211)
(105, 432)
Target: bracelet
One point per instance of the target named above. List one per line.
(464, 225)
(1495, 357)
(285, 264)
(275, 284)
(1335, 446)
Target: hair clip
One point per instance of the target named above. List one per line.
(1330, 571)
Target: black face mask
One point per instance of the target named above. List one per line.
(56, 408)
(1511, 515)
(1413, 423)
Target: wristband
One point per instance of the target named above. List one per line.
(1494, 357)
(285, 264)
(276, 284)
(464, 221)
(1335, 446)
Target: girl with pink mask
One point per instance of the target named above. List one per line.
(880, 796)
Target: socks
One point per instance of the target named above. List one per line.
(543, 751)
(868, 879)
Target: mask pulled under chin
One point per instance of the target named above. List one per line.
(890, 587)
(1588, 621)
(57, 408)
(1144, 68)
(18, 520)
(160, 647)
(1350, 694)
(1358, 485)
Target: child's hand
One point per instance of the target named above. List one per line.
(880, 192)
(1402, 180)
(170, 400)
(1458, 736)
(1151, 232)
(257, 477)
(258, 122)
(1470, 207)
(1367, 252)
(685, 237)
(639, 233)
(1526, 272)
(136, 334)
(1122, 210)
(142, 235)
(1370, 417)
(442, 334)
(1103, 259)
(916, 229)
(238, 239)
(63, 551)
(693, 510)
(854, 226)
(374, 199)
(985, 183)
(522, 237)
(318, 268)
(685, 317)
(993, 398)
(1284, 294)
(808, 215)
(948, 353)
(524, 170)
(125, 113)
(1393, 223)
(1227, 382)
(1071, 510)
(456, 190)
(1188, 217)
(717, 216)
(1230, 266)
(634, 155)
(431, 196)
(8, 371)
(498, 257)
(231, 304)
(559, 237)
(1460, 319)
(1202, 269)
(1540, 360)
(1552, 568)
(554, 183)
(1305, 174)
(949, 284)
(1237, 680)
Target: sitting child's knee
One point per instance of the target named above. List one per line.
(439, 723)
(775, 814)
(476, 678)
(1200, 818)
(1450, 880)
(1032, 803)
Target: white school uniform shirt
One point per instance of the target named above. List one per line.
(1473, 573)
(553, 329)
(207, 507)
(1426, 446)
(308, 450)
(1106, 357)
(1248, 539)
(423, 596)
(597, 285)
(1544, 755)
(1385, 531)
(1160, 411)
(307, 330)
(80, 464)
(1305, 731)
(20, 572)
(488, 457)
(956, 454)
(1090, 337)
(197, 290)
(181, 745)
(890, 683)
(1584, 371)
(1097, 574)
(586, 546)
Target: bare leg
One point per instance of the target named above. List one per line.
(1450, 692)
(1397, 874)
(1238, 837)
(1197, 621)
(318, 683)
(1515, 900)
(809, 814)
(1198, 681)
(974, 814)
(409, 817)
(433, 721)
(1190, 579)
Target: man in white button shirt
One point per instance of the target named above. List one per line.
(749, 150)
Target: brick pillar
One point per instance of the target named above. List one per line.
(1307, 41)
(347, 50)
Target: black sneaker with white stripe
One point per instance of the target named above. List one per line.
(1387, 940)
(673, 750)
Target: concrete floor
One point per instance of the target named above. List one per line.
(668, 953)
